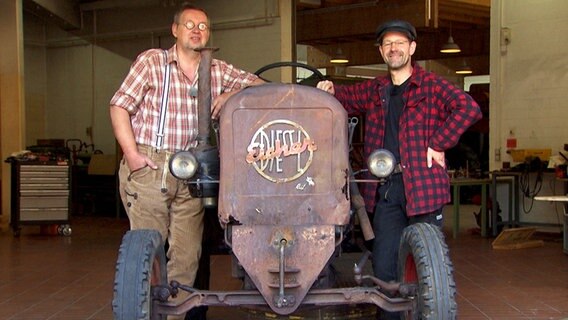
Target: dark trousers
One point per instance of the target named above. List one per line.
(389, 221)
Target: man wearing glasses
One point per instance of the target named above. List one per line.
(416, 115)
(152, 197)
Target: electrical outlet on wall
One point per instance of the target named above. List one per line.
(505, 39)
(505, 36)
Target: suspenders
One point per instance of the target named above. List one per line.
(164, 105)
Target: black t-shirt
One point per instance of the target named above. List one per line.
(393, 112)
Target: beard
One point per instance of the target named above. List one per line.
(190, 43)
(194, 46)
(399, 62)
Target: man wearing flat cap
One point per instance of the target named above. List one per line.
(417, 116)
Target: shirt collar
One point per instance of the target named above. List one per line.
(415, 78)
(173, 56)
(417, 75)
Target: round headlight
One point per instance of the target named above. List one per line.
(381, 163)
(183, 165)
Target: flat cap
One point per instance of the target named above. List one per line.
(398, 26)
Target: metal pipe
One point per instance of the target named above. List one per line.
(358, 204)
(315, 297)
(281, 269)
(204, 95)
(358, 267)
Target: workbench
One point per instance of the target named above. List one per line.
(563, 199)
(497, 177)
(455, 184)
(512, 179)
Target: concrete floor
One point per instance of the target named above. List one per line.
(54, 277)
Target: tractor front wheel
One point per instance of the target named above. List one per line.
(424, 261)
(141, 266)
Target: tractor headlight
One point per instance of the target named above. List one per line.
(381, 163)
(183, 165)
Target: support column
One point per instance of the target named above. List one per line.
(288, 38)
(11, 92)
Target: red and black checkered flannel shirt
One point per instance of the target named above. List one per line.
(435, 115)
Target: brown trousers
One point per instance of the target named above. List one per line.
(154, 199)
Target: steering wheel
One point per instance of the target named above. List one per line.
(312, 80)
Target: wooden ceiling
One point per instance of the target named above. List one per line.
(350, 25)
(326, 25)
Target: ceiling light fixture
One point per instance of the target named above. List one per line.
(450, 46)
(339, 57)
(464, 69)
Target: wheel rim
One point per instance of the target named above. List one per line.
(410, 273)
(410, 276)
(156, 271)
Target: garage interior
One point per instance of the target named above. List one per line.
(46, 275)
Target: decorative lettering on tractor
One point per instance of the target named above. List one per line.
(276, 143)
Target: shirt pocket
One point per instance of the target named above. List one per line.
(416, 109)
(416, 100)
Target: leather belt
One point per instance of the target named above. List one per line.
(397, 169)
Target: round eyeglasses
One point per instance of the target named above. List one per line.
(190, 25)
(388, 45)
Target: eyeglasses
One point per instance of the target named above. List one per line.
(190, 25)
(388, 45)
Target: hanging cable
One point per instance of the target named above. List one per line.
(531, 165)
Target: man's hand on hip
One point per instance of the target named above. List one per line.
(437, 156)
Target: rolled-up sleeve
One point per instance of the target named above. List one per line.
(232, 77)
(134, 87)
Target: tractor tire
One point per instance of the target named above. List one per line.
(141, 266)
(424, 260)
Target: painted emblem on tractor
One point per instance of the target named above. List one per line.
(276, 143)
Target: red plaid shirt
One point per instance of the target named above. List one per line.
(435, 115)
(141, 93)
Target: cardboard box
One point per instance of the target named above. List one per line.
(520, 155)
(102, 164)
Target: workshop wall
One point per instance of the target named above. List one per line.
(529, 81)
(72, 74)
(35, 85)
(529, 75)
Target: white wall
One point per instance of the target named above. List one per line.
(529, 82)
(36, 82)
(529, 76)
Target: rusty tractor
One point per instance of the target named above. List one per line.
(285, 200)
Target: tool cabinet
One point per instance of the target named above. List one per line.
(40, 195)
